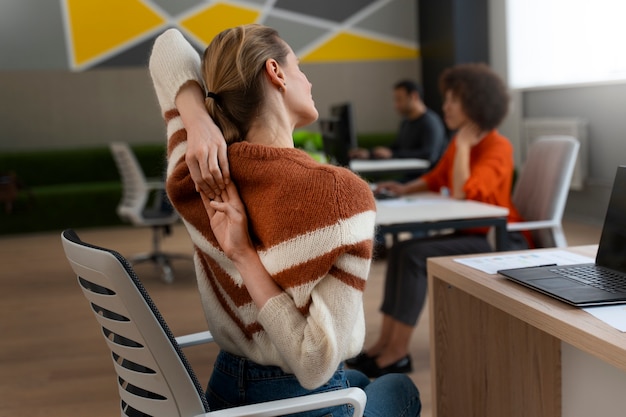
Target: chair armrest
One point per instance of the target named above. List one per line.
(542, 224)
(194, 339)
(155, 184)
(354, 396)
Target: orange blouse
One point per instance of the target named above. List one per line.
(491, 176)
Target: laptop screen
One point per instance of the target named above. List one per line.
(612, 248)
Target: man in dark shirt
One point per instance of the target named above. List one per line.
(421, 135)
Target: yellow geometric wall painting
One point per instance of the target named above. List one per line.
(350, 47)
(208, 23)
(98, 27)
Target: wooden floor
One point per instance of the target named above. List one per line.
(53, 360)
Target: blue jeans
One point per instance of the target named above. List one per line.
(239, 381)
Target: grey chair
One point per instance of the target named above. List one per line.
(154, 377)
(542, 187)
(144, 204)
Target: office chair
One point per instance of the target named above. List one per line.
(154, 377)
(137, 193)
(541, 189)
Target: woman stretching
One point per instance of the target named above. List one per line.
(282, 253)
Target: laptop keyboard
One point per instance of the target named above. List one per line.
(599, 278)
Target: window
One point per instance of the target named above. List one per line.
(556, 42)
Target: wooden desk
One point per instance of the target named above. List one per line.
(496, 345)
(430, 211)
(388, 166)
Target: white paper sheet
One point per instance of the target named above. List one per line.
(614, 316)
(493, 263)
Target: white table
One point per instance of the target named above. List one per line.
(430, 211)
(386, 166)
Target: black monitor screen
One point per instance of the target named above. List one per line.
(343, 116)
(338, 134)
(335, 147)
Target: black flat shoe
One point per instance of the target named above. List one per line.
(359, 360)
(401, 366)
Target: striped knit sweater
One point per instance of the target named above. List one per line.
(312, 225)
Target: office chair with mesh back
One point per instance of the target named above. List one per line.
(137, 193)
(154, 377)
(541, 189)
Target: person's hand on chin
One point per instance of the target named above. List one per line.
(469, 134)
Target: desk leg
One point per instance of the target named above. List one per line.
(501, 236)
(486, 363)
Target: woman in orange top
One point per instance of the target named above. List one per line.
(477, 165)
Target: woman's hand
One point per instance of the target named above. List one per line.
(206, 154)
(206, 157)
(229, 223)
(391, 187)
(469, 135)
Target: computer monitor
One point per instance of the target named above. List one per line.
(343, 115)
(338, 134)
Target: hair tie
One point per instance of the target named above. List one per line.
(214, 96)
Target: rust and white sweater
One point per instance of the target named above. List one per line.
(312, 225)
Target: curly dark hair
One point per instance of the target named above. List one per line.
(482, 93)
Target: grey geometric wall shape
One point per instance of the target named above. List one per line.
(136, 56)
(334, 10)
(176, 7)
(397, 18)
(32, 35)
(255, 2)
(298, 35)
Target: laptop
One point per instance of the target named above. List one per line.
(592, 284)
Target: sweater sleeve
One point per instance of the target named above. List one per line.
(314, 343)
(490, 164)
(173, 63)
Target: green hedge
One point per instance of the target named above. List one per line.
(69, 188)
(73, 166)
(370, 140)
(81, 187)
(59, 207)
(313, 140)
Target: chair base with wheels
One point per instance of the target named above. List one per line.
(157, 256)
(153, 375)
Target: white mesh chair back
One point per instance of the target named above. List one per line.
(542, 187)
(154, 377)
(135, 192)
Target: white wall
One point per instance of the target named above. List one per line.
(603, 107)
